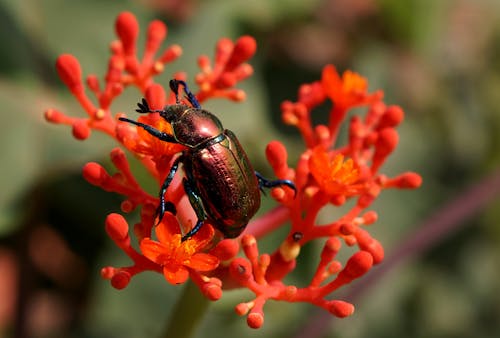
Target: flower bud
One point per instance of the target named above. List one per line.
(70, 72)
(127, 29)
(255, 320)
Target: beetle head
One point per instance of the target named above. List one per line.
(171, 113)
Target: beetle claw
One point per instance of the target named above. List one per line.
(143, 107)
(265, 183)
(162, 209)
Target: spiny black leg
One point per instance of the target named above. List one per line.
(265, 183)
(174, 85)
(193, 231)
(165, 206)
(197, 205)
(155, 132)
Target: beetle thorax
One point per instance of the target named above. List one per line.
(195, 126)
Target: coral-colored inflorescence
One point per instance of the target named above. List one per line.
(326, 174)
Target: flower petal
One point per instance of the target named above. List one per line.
(153, 250)
(175, 275)
(202, 237)
(166, 230)
(331, 80)
(202, 262)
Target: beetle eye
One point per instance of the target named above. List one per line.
(169, 113)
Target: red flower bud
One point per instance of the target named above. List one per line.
(370, 217)
(170, 54)
(241, 270)
(392, 117)
(81, 130)
(212, 291)
(386, 142)
(117, 227)
(225, 249)
(127, 29)
(369, 244)
(93, 83)
(55, 116)
(95, 174)
(255, 320)
(409, 180)
(108, 272)
(156, 96)
(157, 31)
(120, 280)
(226, 80)
(70, 72)
(357, 265)
(223, 51)
(242, 309)
(277, 157)
(244, 49)
(340, 308)
(249, 244)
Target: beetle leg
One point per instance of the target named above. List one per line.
(155, 132)
(265, 183)
(174, 85)
(197, 205)
(165, 206)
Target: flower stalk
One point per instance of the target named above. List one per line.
(188, 313)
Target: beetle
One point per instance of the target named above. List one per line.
(219, 181)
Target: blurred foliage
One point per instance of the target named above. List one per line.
(437, 59)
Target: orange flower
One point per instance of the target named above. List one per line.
(347, 91)
(177, 257)
(144, 143)
(334, 175)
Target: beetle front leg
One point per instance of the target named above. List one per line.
(155, 132)
(165, 206)
(265, 183)
(197, 205)
(144, 108)
(174, 86)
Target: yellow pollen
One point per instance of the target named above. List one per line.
(289, 250)
(100, 114)
(158, 67)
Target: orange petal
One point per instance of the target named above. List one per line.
(153, 250)
(331, 81)
(354, 83)
(168, 227)
(201, 238)
(202, 262)
(175, 275)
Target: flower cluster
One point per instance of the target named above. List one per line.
(326, 174)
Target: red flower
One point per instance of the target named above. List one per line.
(177, 257)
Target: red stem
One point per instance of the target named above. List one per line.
(270, 221)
